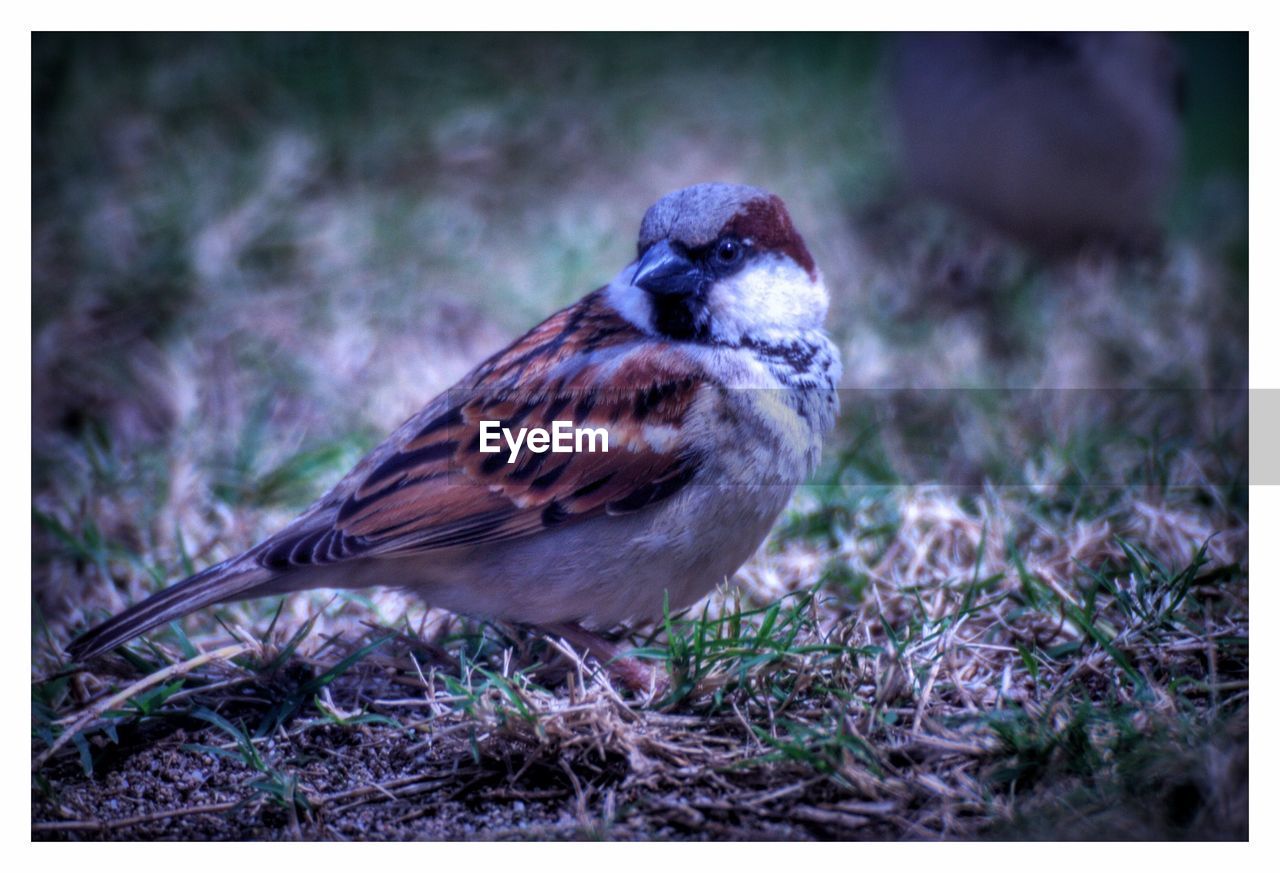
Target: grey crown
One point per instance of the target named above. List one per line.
(694, 216)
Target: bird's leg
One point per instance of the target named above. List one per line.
(631, 672)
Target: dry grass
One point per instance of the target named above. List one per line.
(1014, 603)
(966, 686)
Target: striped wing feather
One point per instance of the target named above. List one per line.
(430, 487)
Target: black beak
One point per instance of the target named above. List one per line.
(664, 271)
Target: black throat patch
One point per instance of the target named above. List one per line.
(682, 316)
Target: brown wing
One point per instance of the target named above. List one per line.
(430, 486)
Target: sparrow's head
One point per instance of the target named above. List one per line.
(721, 263)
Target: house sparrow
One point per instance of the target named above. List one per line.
(705, 363)
(1057, 139)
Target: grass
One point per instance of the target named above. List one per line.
(951, 716)
(1012, 604)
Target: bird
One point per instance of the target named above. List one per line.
(1058, 140)
(704, 362)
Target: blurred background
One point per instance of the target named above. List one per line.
(255, 255)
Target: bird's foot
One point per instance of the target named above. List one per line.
(634, 674)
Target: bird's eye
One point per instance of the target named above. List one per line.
(728, 252)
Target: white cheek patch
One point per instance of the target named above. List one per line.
(770, 294)
(632, 303)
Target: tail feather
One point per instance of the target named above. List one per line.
(230, 580)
